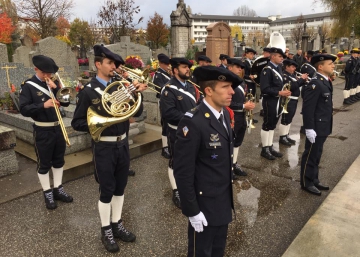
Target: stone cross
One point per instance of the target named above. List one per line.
(7, 73)
(221, 29)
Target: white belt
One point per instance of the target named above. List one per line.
(238, 110)
(113, 139)
(294, 97)
(172, 126)
(46, 124)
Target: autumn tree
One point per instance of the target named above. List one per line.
(81, 29)
(298, 30)
(62, 26)
(6, 28)
(157, 32)
(244, 10)
(45, 13)
(236, 29)
(256, 35)
(138, 36)
(118, 16)
(9, 8)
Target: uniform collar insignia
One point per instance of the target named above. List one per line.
(214, 137)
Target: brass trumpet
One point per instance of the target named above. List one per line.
(143, 77)
(285, 100)
(249, 113)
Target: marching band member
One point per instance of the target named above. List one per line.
(351, 78)
(177, 97)
(50, 145)
(248, 77)
(317, 116)
(160, 79)
(202, 60)
(203, 163)
(306, 67)
(111, 154)
(295, 85)
(271, 84)
(239, 105)
(223, 58)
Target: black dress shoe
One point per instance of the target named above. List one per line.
(165, 152)
(107, 238)
(255, 121)
(234, 177)
(49, 200)
(60, 194)
(238, 171)
(176, 198)
(292, 141)
(131, 173)
(274, 152)
(262, 113)
(265, 152)
(312, 190)
(121, 232)
(284, 141)
(347, 101)
(322, 187)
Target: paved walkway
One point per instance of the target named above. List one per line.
(334, 229)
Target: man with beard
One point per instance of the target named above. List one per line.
(177, 97)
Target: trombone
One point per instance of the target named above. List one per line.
(57, 111)
(249, 113)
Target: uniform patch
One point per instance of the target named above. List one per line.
(313, 86)
(264, 72)
(185, 131)
(95, 101)
(39, 93)
(214, 137)
(43, 99)
(179, 97)
(189, 114)
(321, 79)
(207, 115)
(214, 156)
(166, 93)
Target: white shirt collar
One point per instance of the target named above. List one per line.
(215, 112)
(323, 76)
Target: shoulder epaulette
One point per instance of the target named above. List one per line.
(192, 112)
(23, 83)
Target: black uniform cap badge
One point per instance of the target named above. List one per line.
(321, 58)
(39, 93)
(222, 78)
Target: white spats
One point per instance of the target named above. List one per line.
(104, 210)
(264, 138)
(236, 153)
(44, 181)
(57, 174)
(352, 91)
(172, 178)
(164, 141)
(346, 93)
(271, 137)
(358, 89)
(283, 130)
(117, 203)
(288, 129)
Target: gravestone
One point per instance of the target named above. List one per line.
(219, 41)
(17, 73)
(181, 23)
(3, 53)
(21, 55)
(124, 49)
(356, 43)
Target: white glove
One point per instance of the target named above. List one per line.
(198, 221)
(311, 135)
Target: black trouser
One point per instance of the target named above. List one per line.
(239, 128)
(50, 148)
(272, 108)
(163, 124)
(309, 172)
(209, 243)
(171, 136)
(287, 118)
(112, 162)
(350, 81)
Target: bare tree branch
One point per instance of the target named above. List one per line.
(244, 10)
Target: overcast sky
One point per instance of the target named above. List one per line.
(87, 9)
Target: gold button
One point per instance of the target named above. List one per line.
(201, 193)
(215, 147)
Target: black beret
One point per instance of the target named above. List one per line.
(163, 58)
(266, 49)
(204, 58)
(175, 62)
(45, 64)
(102, 51)
(288, 62)
(119, 60)
(206, 73)
(312, 53)
(250, 50)
(236, 61)
(277, 50)
(223, 56)
(322, 57)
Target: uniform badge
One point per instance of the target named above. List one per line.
(39, 93)
(321, 79)
(214, 137)
(185, 131)
(214, 156)
(264, 72)
(207, 115)
(99, 108)
(305, 66)
(166, 93)
(313, 86)
(43, 99)
(180, 97)
(95, 101)
(222, 78)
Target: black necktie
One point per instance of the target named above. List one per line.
(221, 120)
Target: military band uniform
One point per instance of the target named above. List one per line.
(307, 68)
(350, 80)
(271, 83)
(249, 83)
(317, 115)
(175, 101)
(49, 141)
(203, 151)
